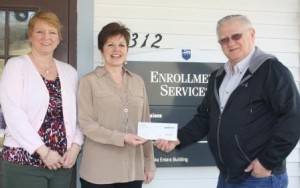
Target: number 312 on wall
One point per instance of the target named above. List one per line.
(153, 44)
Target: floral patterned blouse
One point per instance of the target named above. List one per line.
(52, 131)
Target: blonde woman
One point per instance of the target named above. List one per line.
(38, 98)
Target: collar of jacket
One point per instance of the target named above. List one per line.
(258, 58)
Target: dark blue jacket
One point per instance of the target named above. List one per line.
(261, 119)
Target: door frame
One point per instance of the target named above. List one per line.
(71, 34)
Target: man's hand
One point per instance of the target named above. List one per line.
(257, 170)
(165, 145)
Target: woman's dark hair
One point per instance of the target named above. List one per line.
(113, 29)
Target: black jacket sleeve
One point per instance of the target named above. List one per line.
(283, 98)
(198, 127)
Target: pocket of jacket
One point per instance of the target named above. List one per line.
(239, 145)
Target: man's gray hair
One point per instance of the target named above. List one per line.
(229, 18)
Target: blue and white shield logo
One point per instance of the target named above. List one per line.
(186, 54)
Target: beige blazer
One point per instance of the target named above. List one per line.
(106, 158)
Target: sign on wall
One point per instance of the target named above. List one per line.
(175, 89)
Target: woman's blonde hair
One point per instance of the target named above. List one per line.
(48, 17)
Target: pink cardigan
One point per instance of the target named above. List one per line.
(24, 100)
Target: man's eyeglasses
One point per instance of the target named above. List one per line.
(234, 37)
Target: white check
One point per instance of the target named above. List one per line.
(154, 131)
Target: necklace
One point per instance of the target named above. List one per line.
(125, 106)
(123, 92)
(42, 69)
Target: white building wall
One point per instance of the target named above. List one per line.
(191, 24)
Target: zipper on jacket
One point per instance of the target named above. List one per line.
(218, 138)
(227, 178)
(219, 147)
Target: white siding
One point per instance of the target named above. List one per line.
(191, 24)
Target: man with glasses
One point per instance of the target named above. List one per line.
(250, 113)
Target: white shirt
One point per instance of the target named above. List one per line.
(232, 78)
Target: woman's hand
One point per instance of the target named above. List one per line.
(49, 157)
(70, 157)
(53, 160)
(148, 177)
(134, 140)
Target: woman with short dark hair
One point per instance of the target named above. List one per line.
(111, 102)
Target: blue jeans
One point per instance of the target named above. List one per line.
(273, 181)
